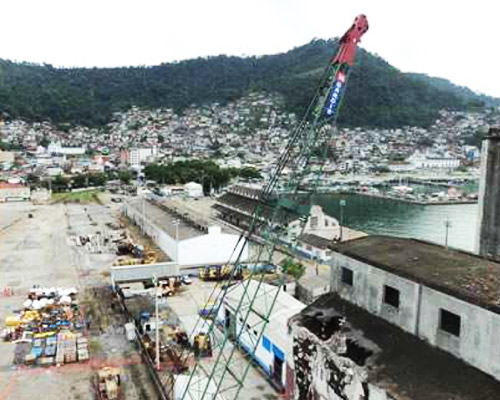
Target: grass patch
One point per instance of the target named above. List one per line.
(83, 197)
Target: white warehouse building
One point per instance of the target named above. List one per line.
(182, 242)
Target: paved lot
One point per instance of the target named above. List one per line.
(38, 251)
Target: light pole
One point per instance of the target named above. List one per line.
(157, 325)
(143, 204)
(342, 205)
(447, 225)
(176, 223)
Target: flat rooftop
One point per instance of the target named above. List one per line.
(405, 366)
(165, 220)
(455, 272)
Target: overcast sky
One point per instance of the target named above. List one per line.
(457, 40)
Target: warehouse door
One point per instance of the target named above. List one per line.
(278, 370)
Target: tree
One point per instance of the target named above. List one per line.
(125, 176)
(250, 173)
(293, 269)
(98, 179)
(45, 141)
(60, 183)
(378, 95)
(33, 179)
(79, 181)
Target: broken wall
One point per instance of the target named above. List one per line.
(329, 363)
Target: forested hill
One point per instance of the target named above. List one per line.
(378, 94)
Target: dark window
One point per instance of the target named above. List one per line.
(347, 276)
(391, 296)
(449, 322)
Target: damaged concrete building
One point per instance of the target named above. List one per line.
(488, 243)
(448, 298)
(342, 352)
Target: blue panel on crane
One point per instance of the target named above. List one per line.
(333, 99)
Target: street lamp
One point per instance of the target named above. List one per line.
(176, 223)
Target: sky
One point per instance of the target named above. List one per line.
(457, 40)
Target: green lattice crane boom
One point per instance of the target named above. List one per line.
(313, 129)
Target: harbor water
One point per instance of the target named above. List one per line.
(389, 217)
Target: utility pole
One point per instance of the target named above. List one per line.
(342, 205)
(157, 325)
(176, 223)
(143, 214)
(447, 225)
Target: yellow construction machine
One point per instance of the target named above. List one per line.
(108, 383)
(214, 272)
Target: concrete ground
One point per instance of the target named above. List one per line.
(38, 250)
(187, 303)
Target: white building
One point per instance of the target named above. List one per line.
(6, 157)
(274, 352)
(445, 297)
(188, 246)
(472, 153)
(13, 192)
(314, 247)
(139, 155)
(212, 248)
(318, 224)
(400, 166)
(56, 148)
(421, 160)
(193, 190)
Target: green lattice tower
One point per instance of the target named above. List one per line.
(314, 129)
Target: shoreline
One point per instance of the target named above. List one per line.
(404, 200)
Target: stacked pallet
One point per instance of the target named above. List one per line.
(66, 348)
(82, 346)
